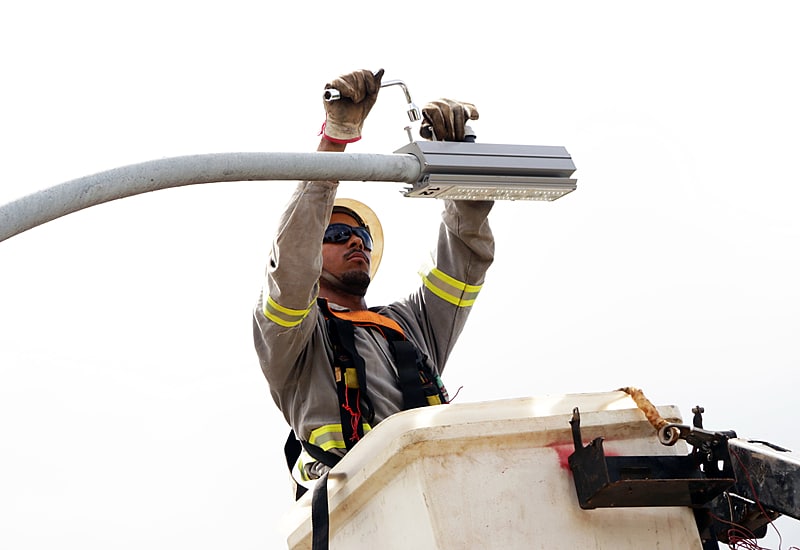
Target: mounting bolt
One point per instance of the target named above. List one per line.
(698, 416)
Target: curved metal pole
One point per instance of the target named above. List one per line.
(46, 205)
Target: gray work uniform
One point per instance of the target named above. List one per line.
(290, 331)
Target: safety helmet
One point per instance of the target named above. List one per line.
(365, 217)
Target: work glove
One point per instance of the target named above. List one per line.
(344, 117)
(445, 119)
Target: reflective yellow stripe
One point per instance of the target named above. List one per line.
(330, 436)
(450, 289)
(284, 316)
(301, 466)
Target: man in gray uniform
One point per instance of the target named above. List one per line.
(336, 368)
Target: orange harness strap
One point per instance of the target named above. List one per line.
(369, 318)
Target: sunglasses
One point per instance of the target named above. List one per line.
(338, 233)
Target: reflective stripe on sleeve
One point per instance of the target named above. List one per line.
(330, 436)
(284, 316)
(451, 290)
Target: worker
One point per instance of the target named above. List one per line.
(336, 368)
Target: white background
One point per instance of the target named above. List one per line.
(133, 411)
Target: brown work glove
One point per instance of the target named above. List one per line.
(345, 116)
(445, 119)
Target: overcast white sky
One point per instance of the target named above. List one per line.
(133, 409)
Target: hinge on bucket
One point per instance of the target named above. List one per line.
(662, 480)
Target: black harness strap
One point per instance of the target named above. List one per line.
(320, 526)
(328, 459)
(407, 361)
(292, 450)
(355, 406)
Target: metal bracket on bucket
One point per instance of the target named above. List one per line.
(730, 482)
(629, 481)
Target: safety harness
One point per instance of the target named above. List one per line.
(419, 385)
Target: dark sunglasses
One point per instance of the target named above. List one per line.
(338, 233)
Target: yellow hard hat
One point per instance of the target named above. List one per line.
(364, 215)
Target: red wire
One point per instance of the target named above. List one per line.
(355, 415)
(755, 496)
(738, 536)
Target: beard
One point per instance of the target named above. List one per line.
(355, 282)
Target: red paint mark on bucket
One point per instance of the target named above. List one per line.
(564, 450)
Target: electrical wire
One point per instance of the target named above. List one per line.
(739, 537)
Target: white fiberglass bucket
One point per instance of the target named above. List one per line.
(492, 475)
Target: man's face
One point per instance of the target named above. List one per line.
(341, 259)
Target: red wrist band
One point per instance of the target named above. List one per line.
(333, 139)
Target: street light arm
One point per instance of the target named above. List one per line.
(57, 201)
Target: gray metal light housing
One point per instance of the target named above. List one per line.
(485, 171)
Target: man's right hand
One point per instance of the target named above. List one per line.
(446, 119)
(345, 116)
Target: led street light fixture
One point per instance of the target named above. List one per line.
(485, 171)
